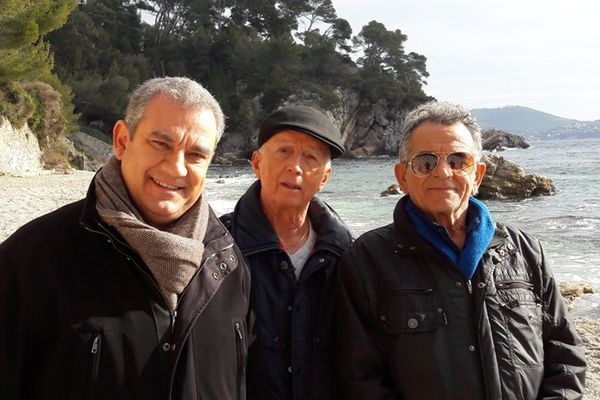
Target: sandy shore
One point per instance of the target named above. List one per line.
(25, 198)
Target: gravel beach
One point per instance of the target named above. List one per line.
(25, 198)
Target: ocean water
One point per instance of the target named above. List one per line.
(567, 223)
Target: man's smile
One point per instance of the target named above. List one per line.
(165, 185)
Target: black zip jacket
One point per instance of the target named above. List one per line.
(290, 356)
(81, 316)
(409, 326)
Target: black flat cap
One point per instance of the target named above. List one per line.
(302, 119)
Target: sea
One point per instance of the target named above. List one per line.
(567, 223)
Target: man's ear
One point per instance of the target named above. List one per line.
(400, 172)
(256, 163)
(479, 173)
(120, 138)
(326, 175)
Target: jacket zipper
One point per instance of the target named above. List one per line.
(413, 291)
(95, 354)
(513, 285)
(173, 315)
(240, 351)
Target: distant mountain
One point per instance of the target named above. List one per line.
(535, 124)
(517, 119)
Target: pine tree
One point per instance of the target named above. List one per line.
(23, 52)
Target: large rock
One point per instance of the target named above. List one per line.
(89, 152)
(573, 290)
(20, 152)
(370, 129)
(504, 180)
(391, 191)
(234, 146)
(495, 139)
(367, 129)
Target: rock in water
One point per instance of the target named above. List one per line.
(504, 179)
(391, 190)
(495, 139)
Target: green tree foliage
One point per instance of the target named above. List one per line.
(26, 56)
(387, 71)
(23, 53)
(99, 54)
(252, 54)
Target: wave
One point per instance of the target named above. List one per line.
(571, 222)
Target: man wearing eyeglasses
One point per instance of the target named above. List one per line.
(446, 303)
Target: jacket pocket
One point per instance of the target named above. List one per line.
(411, 311)
(85, 355)
(522, 313)
(95, 350)
(241, 347)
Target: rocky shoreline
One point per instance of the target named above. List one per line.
(25, 198)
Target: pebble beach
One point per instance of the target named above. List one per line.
(25, 198)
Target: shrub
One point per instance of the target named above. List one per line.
(41, 107)
(47, 121)
(16, 104)
(55, 154)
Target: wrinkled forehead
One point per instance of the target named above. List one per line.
(292, 137)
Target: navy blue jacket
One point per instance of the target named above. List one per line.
(290, 354)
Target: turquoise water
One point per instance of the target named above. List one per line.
(568, 223)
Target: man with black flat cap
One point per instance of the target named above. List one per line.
(292, 241)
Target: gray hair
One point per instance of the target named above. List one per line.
(441, 113)
(184, 91)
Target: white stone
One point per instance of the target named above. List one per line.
(20, 153)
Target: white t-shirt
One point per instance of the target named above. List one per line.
(301, 255)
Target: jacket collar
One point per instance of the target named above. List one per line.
(253, 232)
(406, 238)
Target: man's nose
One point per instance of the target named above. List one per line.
(176, 165)
(294, 164)
(443, 169)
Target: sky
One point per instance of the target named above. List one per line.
(485, 54)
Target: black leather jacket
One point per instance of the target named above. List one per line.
(81, 316)
(290, 357)
(410, 326)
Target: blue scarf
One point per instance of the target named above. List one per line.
(480, 231)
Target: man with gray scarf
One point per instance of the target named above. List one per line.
(136, 291)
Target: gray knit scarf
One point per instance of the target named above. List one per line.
(173, 254)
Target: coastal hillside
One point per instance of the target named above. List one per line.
(518, 119)
(535, 124)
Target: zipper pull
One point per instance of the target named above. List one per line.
(470, 286)
(238, 330)
(173, 318)
(95, 344)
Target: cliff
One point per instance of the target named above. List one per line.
(367, 129)
(20, 152)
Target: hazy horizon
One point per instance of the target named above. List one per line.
(537, 54)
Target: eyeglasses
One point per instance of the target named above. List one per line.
(423, 164)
